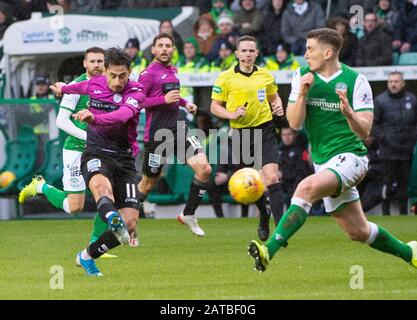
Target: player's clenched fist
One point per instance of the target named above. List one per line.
(307, 81)
(172, 97)
(84, 116)
(57, 88)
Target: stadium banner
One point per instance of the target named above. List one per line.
(78, 33)
(285, 77)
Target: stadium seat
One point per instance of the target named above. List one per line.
(21, 157)
(407, 59)
(178, 178)
(51, 168)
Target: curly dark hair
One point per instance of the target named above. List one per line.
(116, 57)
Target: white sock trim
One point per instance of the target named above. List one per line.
(108, 214)
(302, 203)
(39, 187)
(66, 206)
(373, 234)
(85, 255)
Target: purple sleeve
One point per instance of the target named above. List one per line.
(183, 102)
(76, 88)
(118, 117)
(146, 80)
(154, 101)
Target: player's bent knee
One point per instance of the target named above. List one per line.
(204, 172)
(306, 189)
(76, 208)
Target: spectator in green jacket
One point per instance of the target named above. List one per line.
(132, 49)
(282, 60)
(191, 62)
(218, 8)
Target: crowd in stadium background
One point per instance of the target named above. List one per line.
(388, 30)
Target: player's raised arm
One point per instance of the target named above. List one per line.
(126, 111)
(360, 123)
(75, 88)
(296, 110)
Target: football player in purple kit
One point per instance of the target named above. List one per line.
(161, 87)
(108, 162)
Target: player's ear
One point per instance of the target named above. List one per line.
(153, 50)
(85, 64)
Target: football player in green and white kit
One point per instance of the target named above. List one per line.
(335, 105)
(72, 198)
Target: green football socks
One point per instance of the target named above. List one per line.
(292, 220)
(54, 195)
(98, 229)
(386, 242)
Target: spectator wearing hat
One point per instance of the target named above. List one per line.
(132, 49)
(205, 33)
(283, 59)
(271, 36)
(219, 8)
(349, 49)
(298, 18)
(36, 110)
(227, 33)
(249, 20)
(191, 61)
(226, 58)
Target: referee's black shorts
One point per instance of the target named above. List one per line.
(250, 142)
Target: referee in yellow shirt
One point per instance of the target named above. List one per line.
(247, 96)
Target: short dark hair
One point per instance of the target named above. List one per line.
(116, 57)
(162, 36)
(93, 50)
(327, 36)
(396, 73)
(246, 38)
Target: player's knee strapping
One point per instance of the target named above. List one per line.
(197, 191)
(105, 207)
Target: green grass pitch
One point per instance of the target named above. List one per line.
(171, 263)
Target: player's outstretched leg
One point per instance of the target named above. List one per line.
(114, 220)
(380, 239)
(187, 217)
(292, 220)
(413, 246)
(261, 255)
(95, 250)
(99, 228)
(38, 185)
(84, 261)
